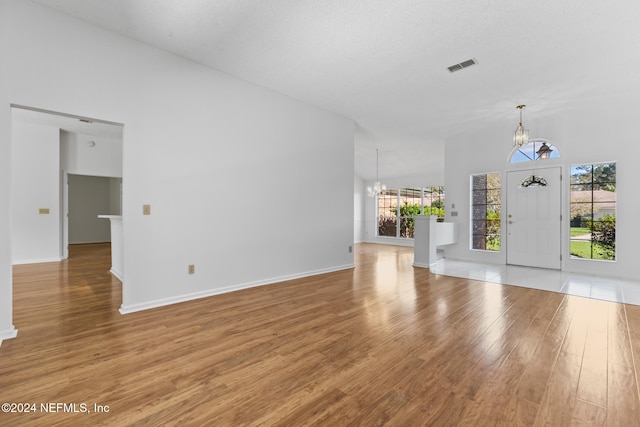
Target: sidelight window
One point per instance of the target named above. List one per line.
(485, 212)
(593, 211)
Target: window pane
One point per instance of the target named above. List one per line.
(387, 226)
(434, 202)
(387, 203)
(406, 227)
(493, 196)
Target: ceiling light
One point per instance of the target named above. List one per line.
(521, 135)
(377, 188)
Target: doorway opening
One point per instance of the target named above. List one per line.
(49, 148)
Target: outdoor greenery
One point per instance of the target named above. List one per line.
(413, 209)
(602, 176)
(602, 239)
(408, 211)
(603, 235)
(493, 230)
(387, 227)
(582, 249)
(579, 231)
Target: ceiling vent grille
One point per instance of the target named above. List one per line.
(463, 64)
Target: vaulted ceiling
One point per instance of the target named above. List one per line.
(383, 63)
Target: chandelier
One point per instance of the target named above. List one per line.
(377, 187)
(521, 135)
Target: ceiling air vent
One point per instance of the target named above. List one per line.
(464, 64)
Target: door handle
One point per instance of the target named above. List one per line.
(510, 222)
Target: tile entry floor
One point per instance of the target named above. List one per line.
(583, 285)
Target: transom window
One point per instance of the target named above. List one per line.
(538, 149)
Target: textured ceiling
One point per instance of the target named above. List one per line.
(383, 63)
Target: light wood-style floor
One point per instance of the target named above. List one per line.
(381, 344)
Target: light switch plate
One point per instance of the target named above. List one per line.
(146, 209)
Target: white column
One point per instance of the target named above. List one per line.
(424, 241)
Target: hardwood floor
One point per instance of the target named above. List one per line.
(381, 344)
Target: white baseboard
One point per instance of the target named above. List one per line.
(35, 261)
(422, 265)
(8, 334)
(132, 308)
(116, 273)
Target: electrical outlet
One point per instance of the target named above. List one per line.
(43, 211)
(350, 249)
(146, 209)
(192, 269)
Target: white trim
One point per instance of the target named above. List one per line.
(393, 241)
(117, 274)
(8, 334)
(423, 265)
(126, 309)
(35, 261)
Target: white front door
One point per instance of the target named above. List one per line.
(534, 217)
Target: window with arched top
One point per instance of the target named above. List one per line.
(536, 149)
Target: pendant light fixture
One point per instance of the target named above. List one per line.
(377, 187)
(521, 135)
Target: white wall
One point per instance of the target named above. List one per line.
(36, 185)
(589, 133)
(79, 158)
(223, 163)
